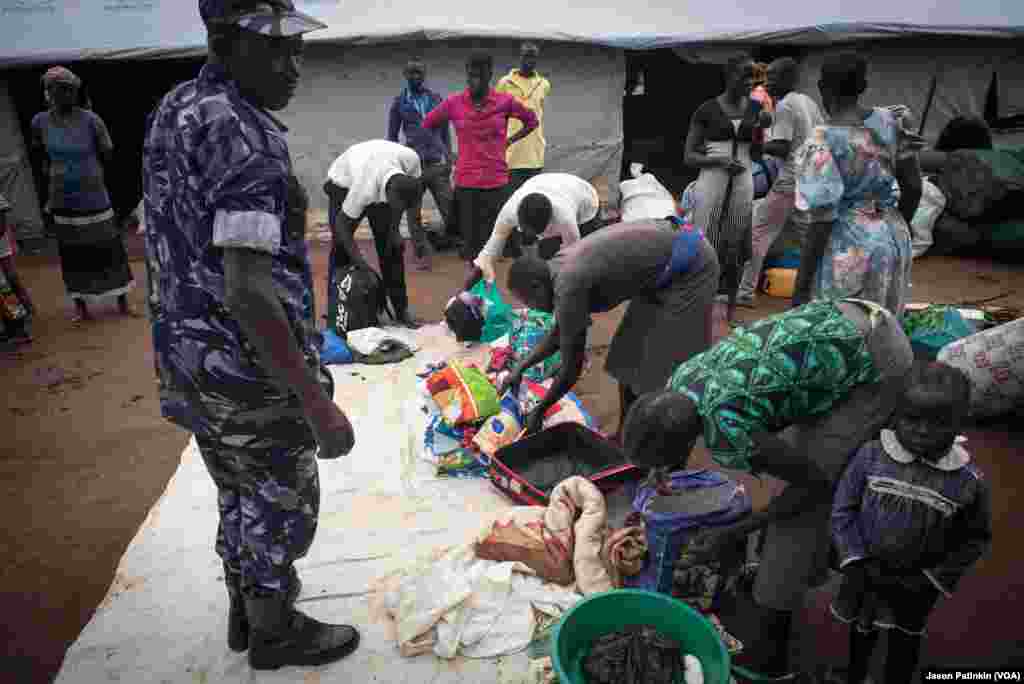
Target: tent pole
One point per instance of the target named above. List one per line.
(928, 104)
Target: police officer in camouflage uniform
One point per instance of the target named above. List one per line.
(231, 300)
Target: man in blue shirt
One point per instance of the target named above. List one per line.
(231, 303)
(434, 147)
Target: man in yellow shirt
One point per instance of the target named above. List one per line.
(526, 157)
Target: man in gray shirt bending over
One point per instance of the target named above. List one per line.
(668, 273)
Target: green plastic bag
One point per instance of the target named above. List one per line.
(497, 314)
(933, 328)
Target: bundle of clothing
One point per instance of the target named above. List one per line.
(371, 346)
(467, 423)
(569, 541)
(524, 570)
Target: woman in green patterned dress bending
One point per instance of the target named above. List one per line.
(792, 396)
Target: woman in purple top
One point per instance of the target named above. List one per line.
(480, 116)
(72, 141)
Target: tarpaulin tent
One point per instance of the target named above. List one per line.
(353, 68)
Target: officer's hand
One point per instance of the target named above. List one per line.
(332, 429)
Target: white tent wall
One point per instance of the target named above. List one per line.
(346, 91)
(16, 181)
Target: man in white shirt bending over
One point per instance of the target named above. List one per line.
(550, 210)
(380, 180)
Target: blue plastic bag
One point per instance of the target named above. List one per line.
(335, 351)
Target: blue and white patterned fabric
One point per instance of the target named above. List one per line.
(217, 173)
(276, 18)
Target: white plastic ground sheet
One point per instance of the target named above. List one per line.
(165, 616)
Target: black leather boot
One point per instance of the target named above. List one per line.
(279, 635)
(238, 623)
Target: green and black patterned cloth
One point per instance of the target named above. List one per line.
(782, 370)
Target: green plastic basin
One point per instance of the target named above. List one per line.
(602, 614)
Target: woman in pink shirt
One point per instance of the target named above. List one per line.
(480, 116)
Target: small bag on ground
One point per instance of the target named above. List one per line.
(355, 300)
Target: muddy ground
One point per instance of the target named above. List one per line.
(86, 454)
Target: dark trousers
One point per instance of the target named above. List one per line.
(436, 179)
(478, 210)
(386, 238)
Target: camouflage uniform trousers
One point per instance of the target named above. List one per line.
(268, 496)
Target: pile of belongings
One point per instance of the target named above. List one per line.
(983, 192)
(645, 198)
(529, 327)
(525, 568)
(372, 346)
(467, 422)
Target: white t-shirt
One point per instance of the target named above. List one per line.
(574, 201)
(365, 169)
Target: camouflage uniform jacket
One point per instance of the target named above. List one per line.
(217, 174)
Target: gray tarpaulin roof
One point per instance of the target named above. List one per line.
(38, 31)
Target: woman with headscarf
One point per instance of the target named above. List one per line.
(719, 144)
(858, 184)
(74, 145)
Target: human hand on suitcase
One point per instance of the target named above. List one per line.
(534, 421)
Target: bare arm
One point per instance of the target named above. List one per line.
(908, 175)
(573, 354)
(253, 302)
(807, 485)
(104, 143)
(528, 119)
(394, 121)
(548, 346)
(39, 149)
(344, 238)
(343, 231)
(694, 155)
(437, 117)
